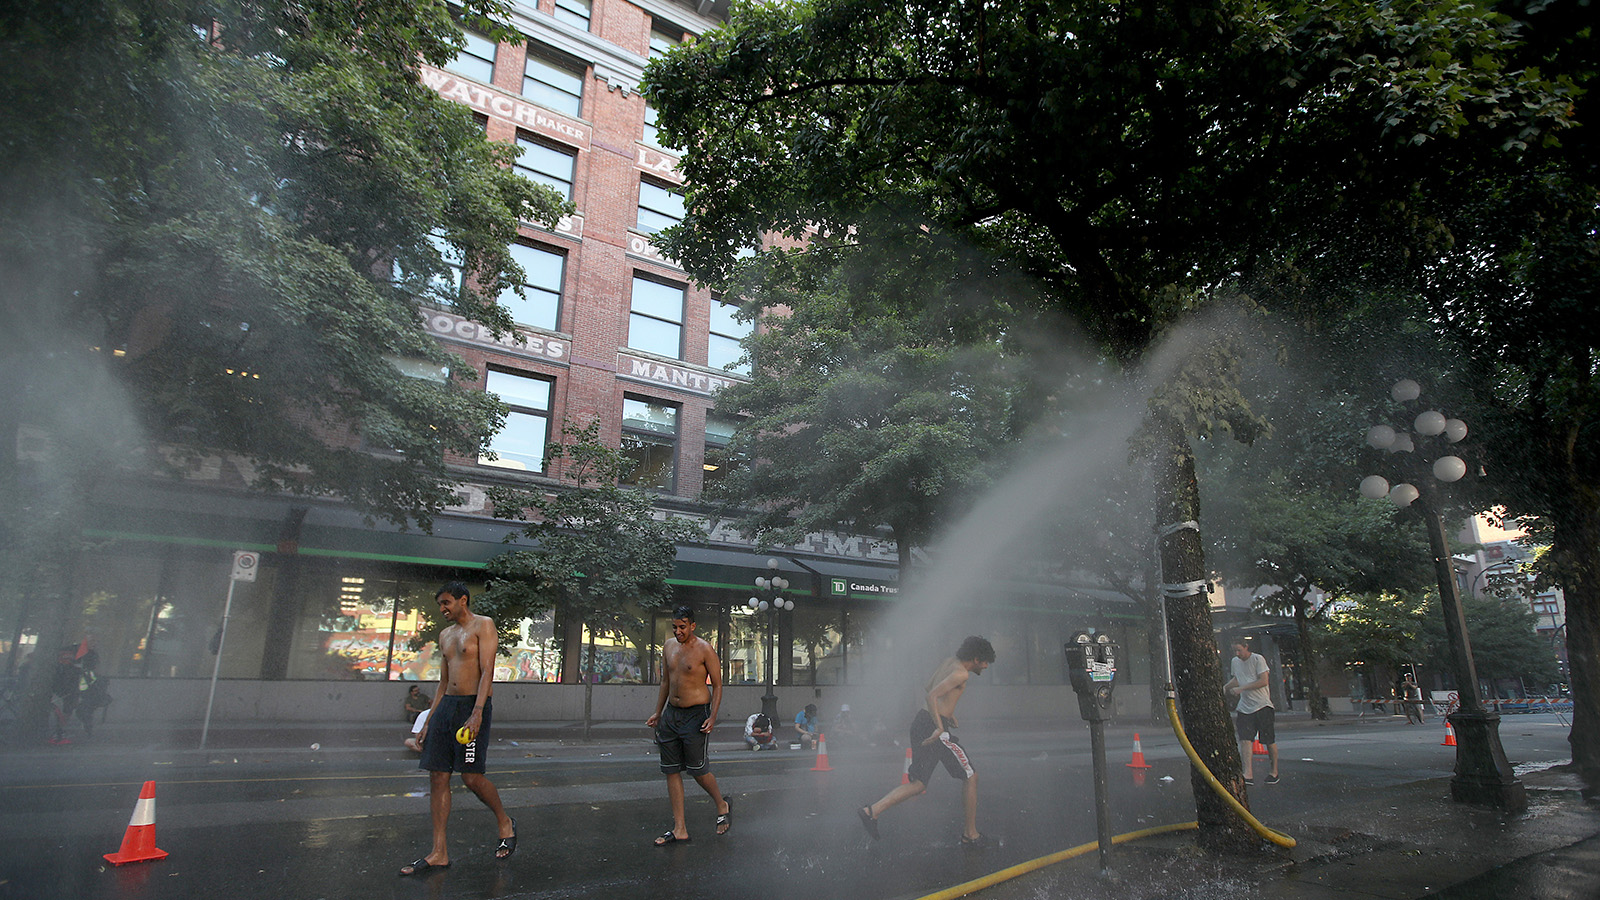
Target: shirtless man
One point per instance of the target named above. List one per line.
(466, 682)
(686, 711)
(932, 743)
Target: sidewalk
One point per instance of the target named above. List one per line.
(1359, 848)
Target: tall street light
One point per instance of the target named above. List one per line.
(769, 600)
(1483, 775)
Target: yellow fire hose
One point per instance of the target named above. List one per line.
(1276, 837)
(1023, 868)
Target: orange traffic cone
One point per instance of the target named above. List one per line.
(1258, 749)
(822, 754)
(139, 841)
(905, 776)
(1449, 735)
(1138, 754)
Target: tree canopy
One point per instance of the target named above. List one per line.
(235, 210)
(1131, 159)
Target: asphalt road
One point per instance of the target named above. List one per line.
(296, 823)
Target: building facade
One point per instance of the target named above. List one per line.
(608, 330)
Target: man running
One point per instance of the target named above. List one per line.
(932, 743)
(466, 683)
(686, 711)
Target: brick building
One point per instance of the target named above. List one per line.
(608, 331)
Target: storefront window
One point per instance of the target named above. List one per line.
(818, 645)
(744, 659)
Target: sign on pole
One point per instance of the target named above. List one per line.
(244, 565)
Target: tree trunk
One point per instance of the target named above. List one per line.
(588, 688)
(1195, 660)
(1308, 662)
(1572, 554)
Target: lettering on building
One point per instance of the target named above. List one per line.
(657, 163)
(521, 341)
(640, 245)
(678, 378)
(503, 106)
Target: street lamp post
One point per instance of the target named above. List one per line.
(1483, 775)
(769, 599)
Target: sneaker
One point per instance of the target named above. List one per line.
(1250, 781)
(1272, 779)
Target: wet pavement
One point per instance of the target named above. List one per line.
(263, 814)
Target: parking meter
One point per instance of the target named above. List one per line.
(1092, 669)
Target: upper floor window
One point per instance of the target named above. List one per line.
(663, 37)
(650, 440)
(551, 84)
(655, 321)
(574, 12)
(722, 349)
(546, 165)
(540, 305)
(476, 61)
(521, 443)
(719, 459)
(443, 286)
(659, 207)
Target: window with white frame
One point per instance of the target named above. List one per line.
(476, 60)
(557, 86)
(543, 164)
(659, 207)
(574, 12)
(650, 440)
(521, 443)
(540, 303)
(723, 350)
(655, 319)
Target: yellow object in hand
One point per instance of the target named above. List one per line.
(463, 735)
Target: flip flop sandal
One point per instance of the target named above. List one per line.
(420, 866)
(670, 838)
(725, 820)
(508, 844)
(867, 820)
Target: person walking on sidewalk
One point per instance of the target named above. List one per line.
(1255, 719)
(932, 743)
(467, 649)
(686, 711)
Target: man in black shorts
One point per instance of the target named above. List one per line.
(933, 744)
(466, 682)
(686, 711)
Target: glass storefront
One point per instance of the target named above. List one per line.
(155, 611)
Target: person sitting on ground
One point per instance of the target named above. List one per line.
(414, 742)
(758, 733)
(807, 726)
(417, 702)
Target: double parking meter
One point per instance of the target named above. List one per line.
(1092, 668)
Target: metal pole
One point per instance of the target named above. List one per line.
(1483, 774)
(216, 668)
(1102, 801)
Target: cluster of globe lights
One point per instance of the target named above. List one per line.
(1430, 423)
(775, 583)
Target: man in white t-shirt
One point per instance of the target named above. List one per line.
(1255, 713)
